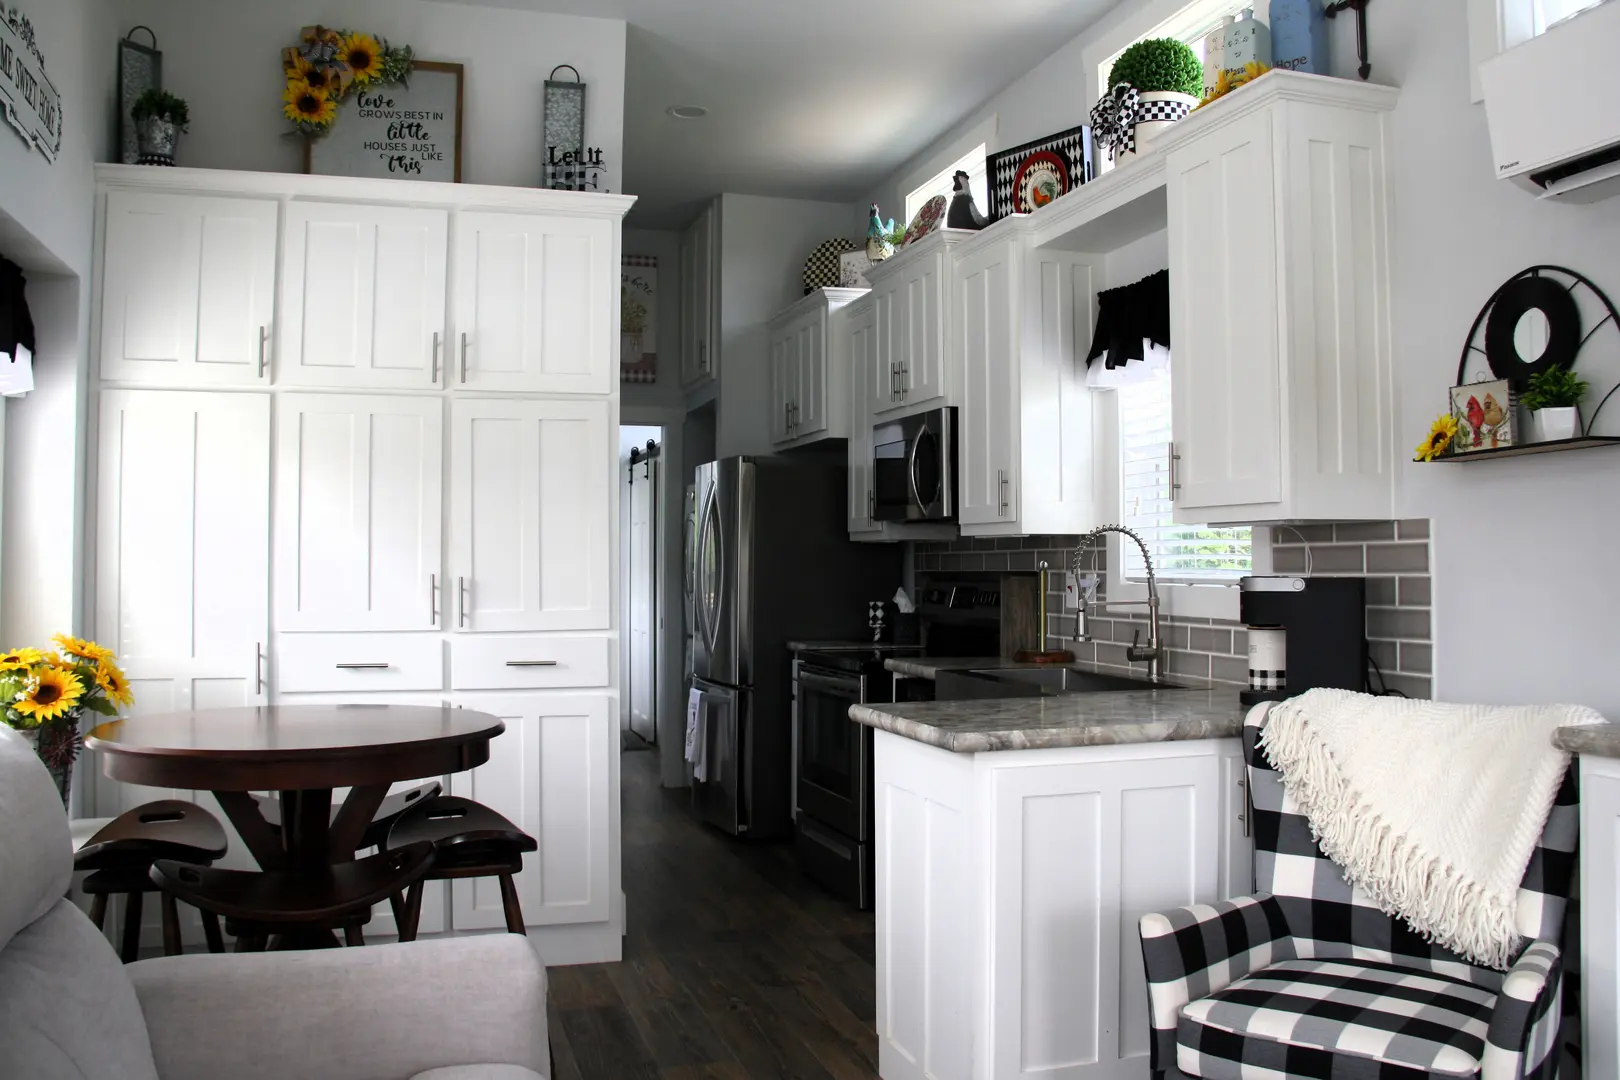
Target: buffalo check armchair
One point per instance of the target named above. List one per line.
(1309, 978)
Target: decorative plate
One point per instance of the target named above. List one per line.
(928, 219)
(1042, 178)
(821, 269)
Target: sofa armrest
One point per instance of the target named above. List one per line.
(1523, 1040)
(1191, 952)
(381, 1012)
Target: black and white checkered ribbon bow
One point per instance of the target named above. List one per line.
(1113, 120)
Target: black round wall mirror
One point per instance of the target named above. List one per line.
(1533, 326)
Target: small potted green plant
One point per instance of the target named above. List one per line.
(1554, 400)
(1169, 79)
(159, 118)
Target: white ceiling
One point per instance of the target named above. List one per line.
(814, 99)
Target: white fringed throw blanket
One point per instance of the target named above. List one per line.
(1433, 810)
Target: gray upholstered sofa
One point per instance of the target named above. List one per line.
(69, 1009)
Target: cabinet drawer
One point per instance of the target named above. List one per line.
(320, 663)
(528, 663)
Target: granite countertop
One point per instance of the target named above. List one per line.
(1028, 723)
(1598, 740)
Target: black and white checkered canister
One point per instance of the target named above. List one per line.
(1268, 658)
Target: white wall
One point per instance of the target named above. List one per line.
(666, 392)
(763, 244)
(1524, 583)
(53, 206)
(223, 57)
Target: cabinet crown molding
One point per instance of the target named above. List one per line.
(829, 298)
(361, 189)
(942, 240)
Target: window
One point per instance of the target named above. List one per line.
(1189, 554)
(1494, 26)
(1190, 25)
(1550, 12)
(944, 182)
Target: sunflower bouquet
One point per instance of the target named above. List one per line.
(326, 64)
(45, 694)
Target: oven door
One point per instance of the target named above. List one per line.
(834, 751)
(913, 467)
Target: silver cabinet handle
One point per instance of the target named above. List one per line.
(1175, 481)
(787, 411)
(464, 356)
(258, 667)
(531, 663)
(871, 504)
(1001, 481)
(433, 600)
(435, 358)
(703, 356)
(264, 333)
(361, 667)
(461, 601)
(905, 380)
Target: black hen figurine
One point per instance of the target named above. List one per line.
(963, 214)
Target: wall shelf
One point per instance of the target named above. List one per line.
(1551, 447)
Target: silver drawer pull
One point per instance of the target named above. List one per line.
(363, 667)
(531, 663)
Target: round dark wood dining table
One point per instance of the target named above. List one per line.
(302, 752)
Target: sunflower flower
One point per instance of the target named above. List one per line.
(114, 683)
(85, 650)
(20, 659)
(1441, 433)
(364, 56)
(50, 694)
(304, 104)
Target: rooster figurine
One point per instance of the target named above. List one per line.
(963, 214)
(878, 247)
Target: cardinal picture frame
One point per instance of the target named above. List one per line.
(1484, 414)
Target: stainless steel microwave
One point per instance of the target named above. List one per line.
(914, 467)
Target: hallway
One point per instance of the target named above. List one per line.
(734, 965)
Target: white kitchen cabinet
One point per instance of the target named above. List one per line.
(359, 483)
(1599, 962)
(1021, 320)
(1009, 885)
(182, 544)
(909, 297)
(700, 306)
(810, 369)
(187, 289)
(530, 506)
(534, 301)
(549, 774)
(1278, 222)
(362, 296)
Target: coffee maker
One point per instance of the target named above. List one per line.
(1304, 633)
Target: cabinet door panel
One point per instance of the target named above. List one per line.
(548, 773)
(784, 384)
(810, 397)
(533, 310)
(1224, 317)
(890, 328)
(862, 347)
(182, 541)
(363, 295)
(530, 515)
(988, 450)
(187, 289)
(358, 516)
(922, 364)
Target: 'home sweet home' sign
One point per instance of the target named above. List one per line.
(31, 104)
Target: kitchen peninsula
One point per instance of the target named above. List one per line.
(1018, 842)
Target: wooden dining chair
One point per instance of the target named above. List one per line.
(119, 858)
(470, 841)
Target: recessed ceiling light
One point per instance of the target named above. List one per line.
(687, 112)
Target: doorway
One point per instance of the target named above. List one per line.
(641, 464)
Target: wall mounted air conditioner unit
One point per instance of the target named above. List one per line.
(1550, 102)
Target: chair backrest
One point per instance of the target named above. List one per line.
(1329, 917)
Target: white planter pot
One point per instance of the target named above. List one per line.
(1159, 111)
(1550, 425)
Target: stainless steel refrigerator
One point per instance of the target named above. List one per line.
(771, 561)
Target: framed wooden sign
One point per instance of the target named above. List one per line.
(399, 132)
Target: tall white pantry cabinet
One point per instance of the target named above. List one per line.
(353, 441)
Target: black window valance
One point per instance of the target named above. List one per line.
(1128, 316)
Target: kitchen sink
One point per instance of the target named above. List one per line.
(993, 683)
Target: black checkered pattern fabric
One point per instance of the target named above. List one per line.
(1162, 110)
(1073, 146)
(822, 269)
(1306, 912)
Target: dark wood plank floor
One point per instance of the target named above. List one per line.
(734, 965)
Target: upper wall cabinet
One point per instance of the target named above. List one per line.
(700, 306)
(529, 513)
(1279, 270)
(532, 302)
(809, 352)
(362, 296)
(359, 483)
(187, 289)
(913, 370)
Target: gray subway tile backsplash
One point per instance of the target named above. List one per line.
(1392, 556)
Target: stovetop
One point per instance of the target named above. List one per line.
(857, 661)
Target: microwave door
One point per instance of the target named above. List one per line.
(891, 490)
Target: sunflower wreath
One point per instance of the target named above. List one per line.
(326, 64)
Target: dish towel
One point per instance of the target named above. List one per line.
(697, 745)
(1431, 809)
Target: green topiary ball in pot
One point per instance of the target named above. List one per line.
(1159, 64)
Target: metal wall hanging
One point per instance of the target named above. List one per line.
(566, 160)
(28, 98)
(140, 68)
(1360, 8)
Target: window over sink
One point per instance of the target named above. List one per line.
(944, 182)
